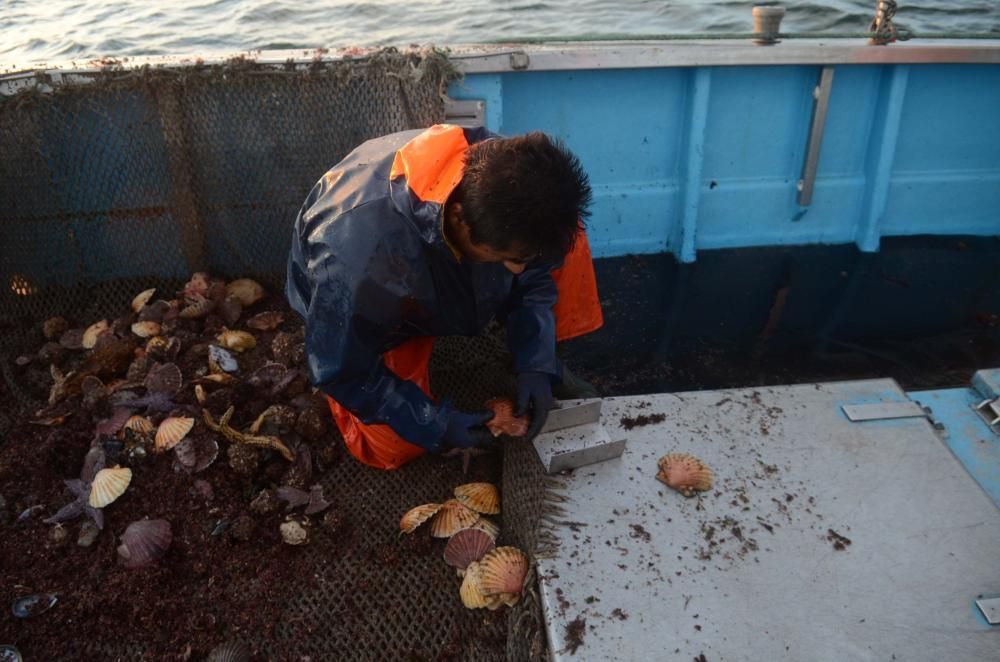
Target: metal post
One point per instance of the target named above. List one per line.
(821, 101)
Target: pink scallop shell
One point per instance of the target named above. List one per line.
(144, 542)
(466, 546)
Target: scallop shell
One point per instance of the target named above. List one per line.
(488, 526)
(504, 421)
(199, 307)
(72, 339)
(268, 321)
(219, 360)
(472, 595)
(480, 497)
(108, 485)
(171, 431)
(164, 378)
(684, 473)
(237, 340)
(154, 312)
(467, 546)
(246, 290)
(230, 310)
(231, 651)
(54, 327)
(93, 332)
(146, 329)
(503, 571)
(161, 348)
(452, 518)
(196, 453)
(140, 424)
(144, 542)
(141, 299)
(197, 286)
(417, 516)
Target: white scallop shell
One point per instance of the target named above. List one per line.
(108, 485)
(146, 329)
(142, 298)
(93, 332)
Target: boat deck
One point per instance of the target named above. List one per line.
(823, 538)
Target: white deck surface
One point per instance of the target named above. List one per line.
(636, 563)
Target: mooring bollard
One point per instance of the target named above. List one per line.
(767, 23)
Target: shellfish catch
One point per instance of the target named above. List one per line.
(684, 473)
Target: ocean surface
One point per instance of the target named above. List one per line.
(33, 32)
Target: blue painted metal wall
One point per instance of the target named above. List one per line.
(688, 159)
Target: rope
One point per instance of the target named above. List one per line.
(885, 31)
(900, 35)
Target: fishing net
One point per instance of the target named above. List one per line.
(136, 179)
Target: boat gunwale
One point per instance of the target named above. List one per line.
(561, 56)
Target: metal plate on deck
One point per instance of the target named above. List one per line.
(991, 609)
(572, 413)
(821, 540)
(877, 411)
(578, 446)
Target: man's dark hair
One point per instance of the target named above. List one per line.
(528, 190)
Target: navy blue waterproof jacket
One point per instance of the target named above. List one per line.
(369, 269)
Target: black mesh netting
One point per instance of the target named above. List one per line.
(138, 178)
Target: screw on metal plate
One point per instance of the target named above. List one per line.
(989, 410)
(519, 60)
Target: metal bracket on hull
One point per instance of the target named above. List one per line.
(468, 113)
(989, 410)
(821, 101)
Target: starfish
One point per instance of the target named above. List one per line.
(261, 441)
(80, 488)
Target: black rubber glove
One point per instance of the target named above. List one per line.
(468, 429)
(534, 388)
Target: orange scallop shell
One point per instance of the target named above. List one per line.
(246, 290)
(108, 485)
(503, 571)
(452, 518)
(467, 546)
(472, 595)
(237, 340)
(417, 516)
(268, 321)
(504, 421)
(480, 497)
(199, 307)
(171, 431)
(684, 473)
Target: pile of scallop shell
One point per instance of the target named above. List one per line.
(684, 473)
(170, 378)
(491, 576)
